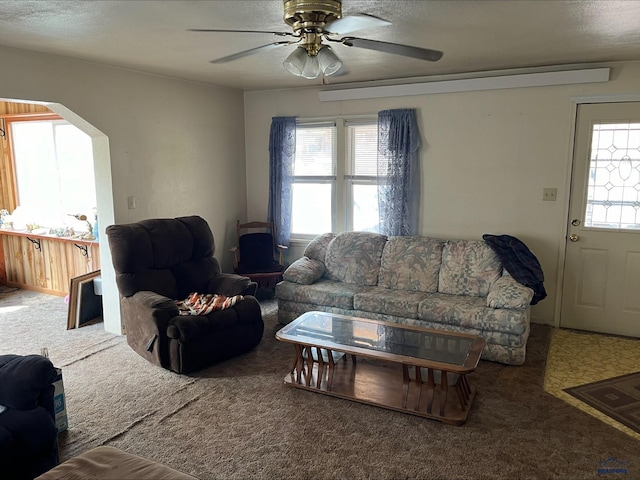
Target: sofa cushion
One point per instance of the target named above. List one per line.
(256, 251)
(317, 248)
(399, 303)
(323, 292)
(147, 255)
(305, 271)
(411, 263)
(468, 268)
(472, 312)
(354, 257)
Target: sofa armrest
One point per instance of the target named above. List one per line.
(155, 301)
(506, 292)
(23, 379)
(146, 316)
(304, 271)
(189, 327)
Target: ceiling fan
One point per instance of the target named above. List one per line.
(316, 21)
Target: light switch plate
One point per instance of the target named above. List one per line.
(549, 194)
(131, 202)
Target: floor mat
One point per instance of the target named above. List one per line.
(618, 398)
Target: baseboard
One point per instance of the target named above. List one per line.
(542, 321)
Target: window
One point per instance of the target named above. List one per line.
(335, 177)
(613, 198)
(362, 176)
(314, 180)
(54, 174)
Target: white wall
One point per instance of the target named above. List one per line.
(486, 157)
(177, 146)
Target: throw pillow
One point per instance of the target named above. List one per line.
(304, 271)
(354, 257)
(317, 248)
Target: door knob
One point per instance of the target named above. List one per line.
(573, 237)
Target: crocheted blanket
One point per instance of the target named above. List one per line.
(204, 303)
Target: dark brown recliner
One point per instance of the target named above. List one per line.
(158, 261)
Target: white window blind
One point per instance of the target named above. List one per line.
(362, 149)
(335, 177)
(315, 150)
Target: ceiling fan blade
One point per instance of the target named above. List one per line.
(214, 30)
(351, 23)
(251, 51)
(395, 48)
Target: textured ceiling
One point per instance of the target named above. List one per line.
(475, 35)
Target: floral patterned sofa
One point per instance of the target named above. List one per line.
(457, 285)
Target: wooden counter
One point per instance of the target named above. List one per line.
(44, 263)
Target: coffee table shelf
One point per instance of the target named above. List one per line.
(409, 369)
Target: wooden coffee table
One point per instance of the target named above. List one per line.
(410, 369)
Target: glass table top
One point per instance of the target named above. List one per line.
(381, 339)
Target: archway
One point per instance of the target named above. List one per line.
(104, 204)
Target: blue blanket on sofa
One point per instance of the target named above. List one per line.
(520, 262)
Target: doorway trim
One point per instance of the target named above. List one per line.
(562, 252)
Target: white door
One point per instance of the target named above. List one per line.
(601, 290)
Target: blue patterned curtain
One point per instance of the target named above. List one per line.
(398, 172)
(282, 151)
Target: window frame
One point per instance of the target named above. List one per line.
(9, 121)
(342, 192)
(317, 179)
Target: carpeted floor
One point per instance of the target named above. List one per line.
(237, 420)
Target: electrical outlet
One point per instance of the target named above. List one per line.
(131, 202)
(549, 194)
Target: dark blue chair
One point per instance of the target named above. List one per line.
(255, 255)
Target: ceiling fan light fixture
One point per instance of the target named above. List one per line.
(311, 68)
(296, 61)
(329, 61)
(314, 21)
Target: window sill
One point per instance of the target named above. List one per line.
(299, 242)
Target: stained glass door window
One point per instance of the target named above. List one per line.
(613, 196)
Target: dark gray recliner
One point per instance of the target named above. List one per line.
(159, 261)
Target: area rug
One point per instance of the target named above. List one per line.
(617, 397)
